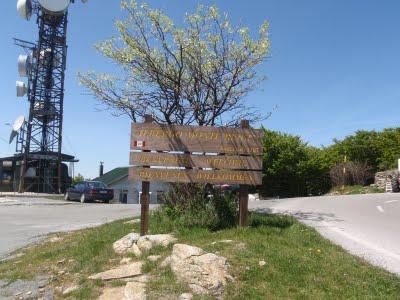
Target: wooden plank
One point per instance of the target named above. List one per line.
(145, 197)
(196, 161)
(200, 176)
(243, 192)
(196, 139)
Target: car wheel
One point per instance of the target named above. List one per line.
(83, 198)
(67, 197)
(106, 201)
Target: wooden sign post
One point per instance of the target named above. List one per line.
(189, 154)
(243, 192)
(145, 197)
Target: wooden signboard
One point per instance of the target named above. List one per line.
(193, 154)
(199, 176)
(147, 136)
(234, 162)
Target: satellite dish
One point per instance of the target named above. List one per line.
(55, 6)
(21, 89)
(24, 65)
(18, 123)
(24, 8)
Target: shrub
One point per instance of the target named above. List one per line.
(355, 174)
(194, 205)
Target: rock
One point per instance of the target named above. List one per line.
(135, 291)
(147, 242)
(131, 291)
(186, 296)
(70, 289)
(223, 241)
(144, 245)
(55, 239)
(61, 261)
(166, 262)
(125, 260)
(134, 221)
(113, 293)
(154, 257)
(125, 244)
(262, 263)
(124, 271)
(142, 278)
(204, 272)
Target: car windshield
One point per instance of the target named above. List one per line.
(97, 185)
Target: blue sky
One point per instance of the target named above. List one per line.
(334, 68)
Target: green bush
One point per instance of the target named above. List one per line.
(188, 206)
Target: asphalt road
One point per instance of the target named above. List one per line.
(24, 221)
(364, 225)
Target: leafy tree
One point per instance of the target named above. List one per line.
(77, 179)
(292, 168)
(389, 143)
(362, 147)
(195, 74)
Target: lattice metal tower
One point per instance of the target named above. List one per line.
(41, 149)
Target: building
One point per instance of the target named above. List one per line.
(129, 192)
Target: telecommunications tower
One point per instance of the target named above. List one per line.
(40, 161)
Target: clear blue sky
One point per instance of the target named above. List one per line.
(334, 68)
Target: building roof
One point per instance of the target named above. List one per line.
(113, 175)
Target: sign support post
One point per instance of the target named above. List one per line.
(243, 192)
(145, 197)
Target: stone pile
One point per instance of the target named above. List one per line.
(387, 178)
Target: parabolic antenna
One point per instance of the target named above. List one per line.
(18, 123)
(24, 8)
(24, 65)
(55, 6)
(21, 89)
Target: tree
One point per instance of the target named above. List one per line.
(292, 168)
(195, 74)
(77, 179)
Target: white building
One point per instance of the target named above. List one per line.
(129, 192)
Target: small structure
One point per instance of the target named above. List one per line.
(387, 180)
(127, 192)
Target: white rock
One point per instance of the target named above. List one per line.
(147, 242)
(186, 296)
(204, 272)
(135, 291)
(166, 262)
(124, 245)
(154, 257)
(124, 271)
(125, 260)
(113, 293)
(70, 289)
(262, 263)
(142, 278)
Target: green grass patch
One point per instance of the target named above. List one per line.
(355, 190)
(300, 264)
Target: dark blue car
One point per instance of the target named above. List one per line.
(89, 191)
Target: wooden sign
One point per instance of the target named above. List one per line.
(217, 155)
(199, 176)
(150, 136)
(221, 162)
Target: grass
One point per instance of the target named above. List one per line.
(355, 190)
(300, 264)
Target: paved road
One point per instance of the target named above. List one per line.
(24, 220)
(365, 225)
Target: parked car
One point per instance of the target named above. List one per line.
(89, 191)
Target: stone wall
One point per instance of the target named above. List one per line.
(383, 178)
